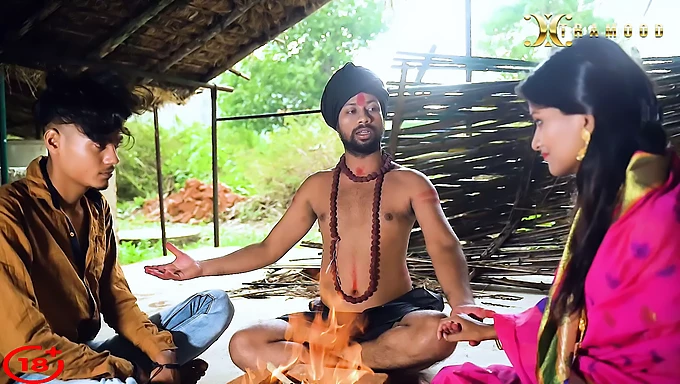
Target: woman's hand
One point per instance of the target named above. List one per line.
(183, 268)
(464, 328)
(465, 324)
(474, 311)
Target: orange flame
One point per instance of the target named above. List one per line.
(331, 356)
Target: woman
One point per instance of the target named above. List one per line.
(613, 312)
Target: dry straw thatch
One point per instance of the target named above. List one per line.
(189, 39)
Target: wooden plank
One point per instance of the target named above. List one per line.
(156, 234)
(128, 29)
(398, 120)
(47, 8)
(218, 27)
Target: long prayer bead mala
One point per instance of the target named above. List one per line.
(379, 176)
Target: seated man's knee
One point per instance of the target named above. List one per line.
(243, 349)
(427, 343)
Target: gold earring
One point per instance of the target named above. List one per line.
(585, 135)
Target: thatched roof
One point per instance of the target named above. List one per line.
(189, 39)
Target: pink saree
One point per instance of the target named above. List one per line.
(629, 331)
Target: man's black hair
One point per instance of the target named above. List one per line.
(98, 104)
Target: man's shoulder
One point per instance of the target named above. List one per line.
(409, 176)
(13, 197)
(318, 177)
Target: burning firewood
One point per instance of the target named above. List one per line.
(301, 373)
(329, 355)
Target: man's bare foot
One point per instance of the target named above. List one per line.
(192, 371)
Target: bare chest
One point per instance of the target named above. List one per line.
(359, 205)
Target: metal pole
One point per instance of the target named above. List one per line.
(215, 181)
(3, 131)
(468, 36)
(159, 179)
(272, 114)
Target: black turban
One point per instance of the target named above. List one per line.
(346, 83)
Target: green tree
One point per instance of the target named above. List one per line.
(289, 73)
(506, 30)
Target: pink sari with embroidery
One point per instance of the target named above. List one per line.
(632, 299)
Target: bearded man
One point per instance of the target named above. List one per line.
(366, 207)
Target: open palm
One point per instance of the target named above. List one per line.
(182, 268)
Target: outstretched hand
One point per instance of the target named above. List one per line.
(182, 268)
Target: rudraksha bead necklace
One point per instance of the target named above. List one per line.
(379, 177)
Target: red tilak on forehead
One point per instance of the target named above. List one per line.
(361, 99)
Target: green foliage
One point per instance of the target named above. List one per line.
(506, 30)
(269, 164)
(129, 253)
(266, 157)
(185, 153)
(290, 72)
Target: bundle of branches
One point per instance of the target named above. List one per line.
(298, 280)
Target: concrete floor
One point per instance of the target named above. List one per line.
(154, 294)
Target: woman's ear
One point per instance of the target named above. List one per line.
(589, 123)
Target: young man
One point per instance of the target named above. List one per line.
(365, 227)
(58, 260)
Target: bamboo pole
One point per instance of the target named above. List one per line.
(159, 179)
(215, 181)
(3, 131)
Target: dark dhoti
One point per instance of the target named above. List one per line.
(378, 320)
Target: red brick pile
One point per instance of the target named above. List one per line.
(193, 203)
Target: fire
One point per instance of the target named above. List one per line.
(330, 358)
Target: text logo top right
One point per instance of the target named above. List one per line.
(551, 32)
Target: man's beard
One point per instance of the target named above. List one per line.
(362, 148)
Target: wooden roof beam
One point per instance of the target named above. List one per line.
(43, 63)
(220, 25)
(126, 30)
(48, 8)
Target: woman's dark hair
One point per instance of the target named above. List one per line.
(595, 76)
(98, 104)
